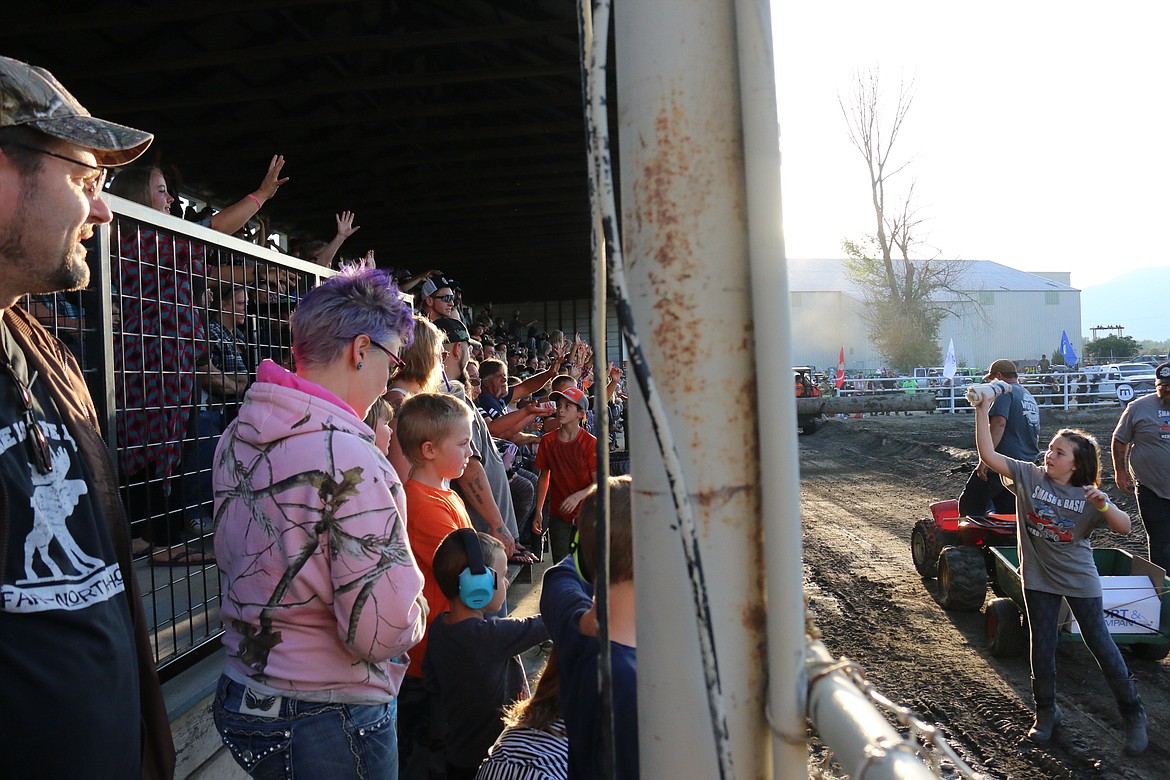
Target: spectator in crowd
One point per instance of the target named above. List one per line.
(312, 544)
(517, 327)
(484, 484)
(323, 253)
(567, 461)
(496, 394)
(438, 300)
(223, 381)
(421, 372)
(1044, 366)
(472, 663)
(1015, 432)
(155, 356)
(80, 696)
(1141, 462)
(570, 612)
(534, 744)
(379, 418)
(434, 431)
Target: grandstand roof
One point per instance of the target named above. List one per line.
(453, 128)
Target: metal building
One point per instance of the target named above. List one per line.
(1008, 313)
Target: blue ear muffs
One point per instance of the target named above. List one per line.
(477, 583)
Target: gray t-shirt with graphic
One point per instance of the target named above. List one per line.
(1053, 526)
(1145, 426)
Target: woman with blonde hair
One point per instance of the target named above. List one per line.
(421, 372)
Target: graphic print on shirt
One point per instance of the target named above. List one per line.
(1044, 522)
(58, 573)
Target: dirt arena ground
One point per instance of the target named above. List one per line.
(864, 483)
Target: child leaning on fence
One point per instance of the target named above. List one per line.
(1057, 506)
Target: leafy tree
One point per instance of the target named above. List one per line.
(1057, 358)
(906, 295)
(1112, 347)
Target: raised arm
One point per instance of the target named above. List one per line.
(985, 443)
(345, 229)
(235, 216)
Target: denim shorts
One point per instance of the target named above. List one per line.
(303, 739)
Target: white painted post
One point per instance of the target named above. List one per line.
(686, 248)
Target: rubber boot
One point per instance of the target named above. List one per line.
(1132, 713)
(1048, 714)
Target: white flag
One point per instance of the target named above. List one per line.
(950, 366)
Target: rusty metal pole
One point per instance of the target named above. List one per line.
(686, 247)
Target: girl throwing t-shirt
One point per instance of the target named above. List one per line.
(1057, 506)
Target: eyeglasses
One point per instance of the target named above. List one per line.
(449, 297)
(93, 184)
(397, 361)
(34, 437)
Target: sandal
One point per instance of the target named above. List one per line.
(184, 558)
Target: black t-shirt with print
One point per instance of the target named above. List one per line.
(68, 678)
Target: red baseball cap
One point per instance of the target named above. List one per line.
(573, 395)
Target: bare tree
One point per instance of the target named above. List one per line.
(908, 291)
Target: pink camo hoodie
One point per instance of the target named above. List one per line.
(321, 594)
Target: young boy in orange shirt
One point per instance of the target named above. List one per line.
(434, 431)
(567, 462)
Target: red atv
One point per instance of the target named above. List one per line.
(954, 549)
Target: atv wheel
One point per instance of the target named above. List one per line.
(1005, 631)
(1150, 652)
(962, 578)
(927, 540)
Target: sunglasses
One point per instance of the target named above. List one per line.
(34, 437)
(449, 297)
(397, 361)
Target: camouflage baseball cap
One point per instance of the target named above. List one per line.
(32, 97)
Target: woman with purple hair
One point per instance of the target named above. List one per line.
(321, 594)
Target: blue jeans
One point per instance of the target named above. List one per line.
(308, 739)
(1043, 612)
(1155, 514)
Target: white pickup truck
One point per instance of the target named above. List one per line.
(1124, 380)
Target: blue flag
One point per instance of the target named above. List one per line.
(1066, 350)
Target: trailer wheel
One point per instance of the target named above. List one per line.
(927, 541)
(1150, 652)
(1005, 630)
(962, 578)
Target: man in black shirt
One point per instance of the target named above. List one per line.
(79, 694)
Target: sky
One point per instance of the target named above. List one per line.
(1039, 136)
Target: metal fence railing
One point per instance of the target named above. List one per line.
(1070, 390)
(168, 335)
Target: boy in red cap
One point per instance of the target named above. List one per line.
(566, 460)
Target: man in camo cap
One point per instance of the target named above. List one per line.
(80, 697)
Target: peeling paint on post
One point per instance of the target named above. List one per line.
(685, 242)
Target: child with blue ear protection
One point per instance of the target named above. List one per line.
(471, 662)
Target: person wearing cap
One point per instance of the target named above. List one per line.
(80, 696)
(438, 300)
(567, 463)
(484, 485)
(1141, 462)
(1015, 431)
